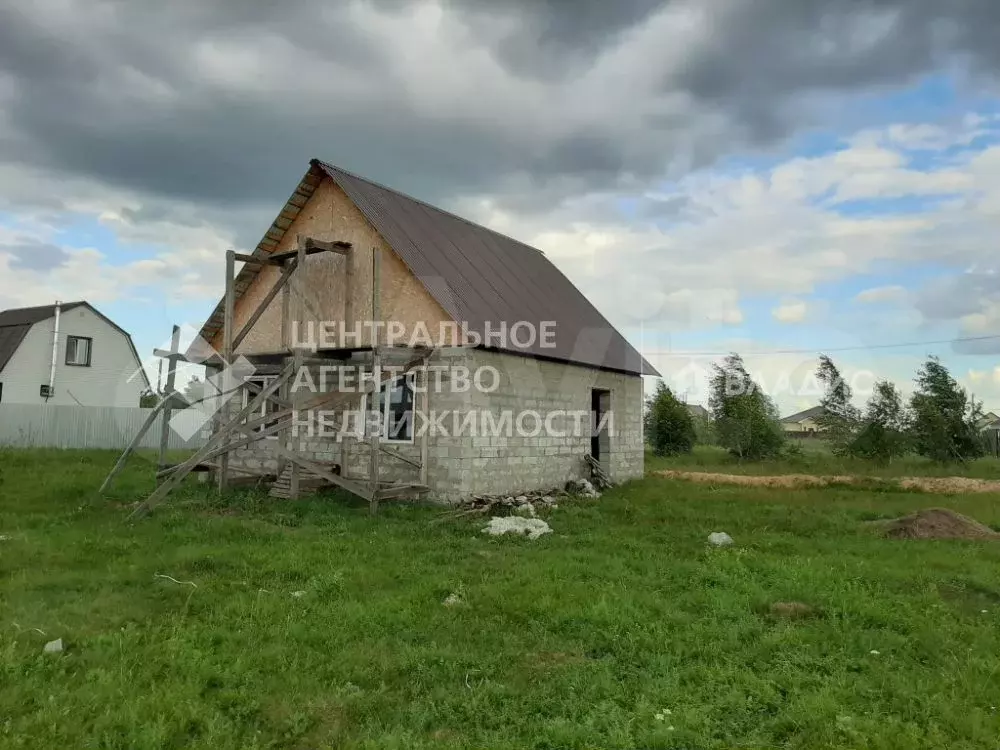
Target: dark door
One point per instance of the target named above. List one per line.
(600, 401)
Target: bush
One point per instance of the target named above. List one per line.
(668, 424)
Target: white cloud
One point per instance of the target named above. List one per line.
(793, 311)
(882, 294)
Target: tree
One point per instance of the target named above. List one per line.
(943, 418)
(148, 399)
(881, 436)
(840, 418)
(668, 424)
(746, 419)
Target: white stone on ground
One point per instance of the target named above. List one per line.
(530, 527)
(525, 510)
(583, 487)
(720, 539)
(53, 647)
(452, 600)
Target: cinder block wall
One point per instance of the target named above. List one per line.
(459, 465)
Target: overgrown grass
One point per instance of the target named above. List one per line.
(576, 640)
(815, 458)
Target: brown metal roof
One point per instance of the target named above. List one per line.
(15, 324)
(478, 276)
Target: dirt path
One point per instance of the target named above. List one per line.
(934, 485)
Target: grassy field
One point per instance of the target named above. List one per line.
(311, 625)
(815, 458)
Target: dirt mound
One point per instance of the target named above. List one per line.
(938, 523)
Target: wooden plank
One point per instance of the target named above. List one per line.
(353, 487)
(286, 273)
(175, 343)
(286, 337)
(393, 491)
(337, 247)
(243, 258)
(399, 456)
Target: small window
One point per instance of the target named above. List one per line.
(395, 403)
(78, 351)
(268, 407)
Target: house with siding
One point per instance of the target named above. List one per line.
(66, 354)
(425, 269)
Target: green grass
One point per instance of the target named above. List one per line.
(576, 640)
(815, 458)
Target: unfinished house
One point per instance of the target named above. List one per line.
(356, 251)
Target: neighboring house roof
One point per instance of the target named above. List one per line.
(15, 324)
(697, 410)
(990, 426)
(802, 416)
(988, 419)
(476, 274)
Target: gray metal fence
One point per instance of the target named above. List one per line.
(47, 426)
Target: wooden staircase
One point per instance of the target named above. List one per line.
(308, 483)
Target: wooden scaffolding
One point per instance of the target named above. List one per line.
(284, 410)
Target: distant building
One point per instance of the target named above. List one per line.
(698, 411)
(989, 421)
(804, 422)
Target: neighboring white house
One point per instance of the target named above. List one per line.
(804, 422)
(67, 354)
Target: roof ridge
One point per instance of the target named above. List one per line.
(42, 307)
(422, 202)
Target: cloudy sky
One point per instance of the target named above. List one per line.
(768, 176)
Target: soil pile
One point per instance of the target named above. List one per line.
(938, 523)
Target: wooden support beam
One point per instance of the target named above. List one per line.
(250, 259)
(228, 322)
(175, 342)
(377, 377)
(236, 444)
(349, 261)
(424, 377)
(293, 478)
(280, 284)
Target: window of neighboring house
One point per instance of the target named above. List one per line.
(268, 407)
(78, 349)
(395, 403)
